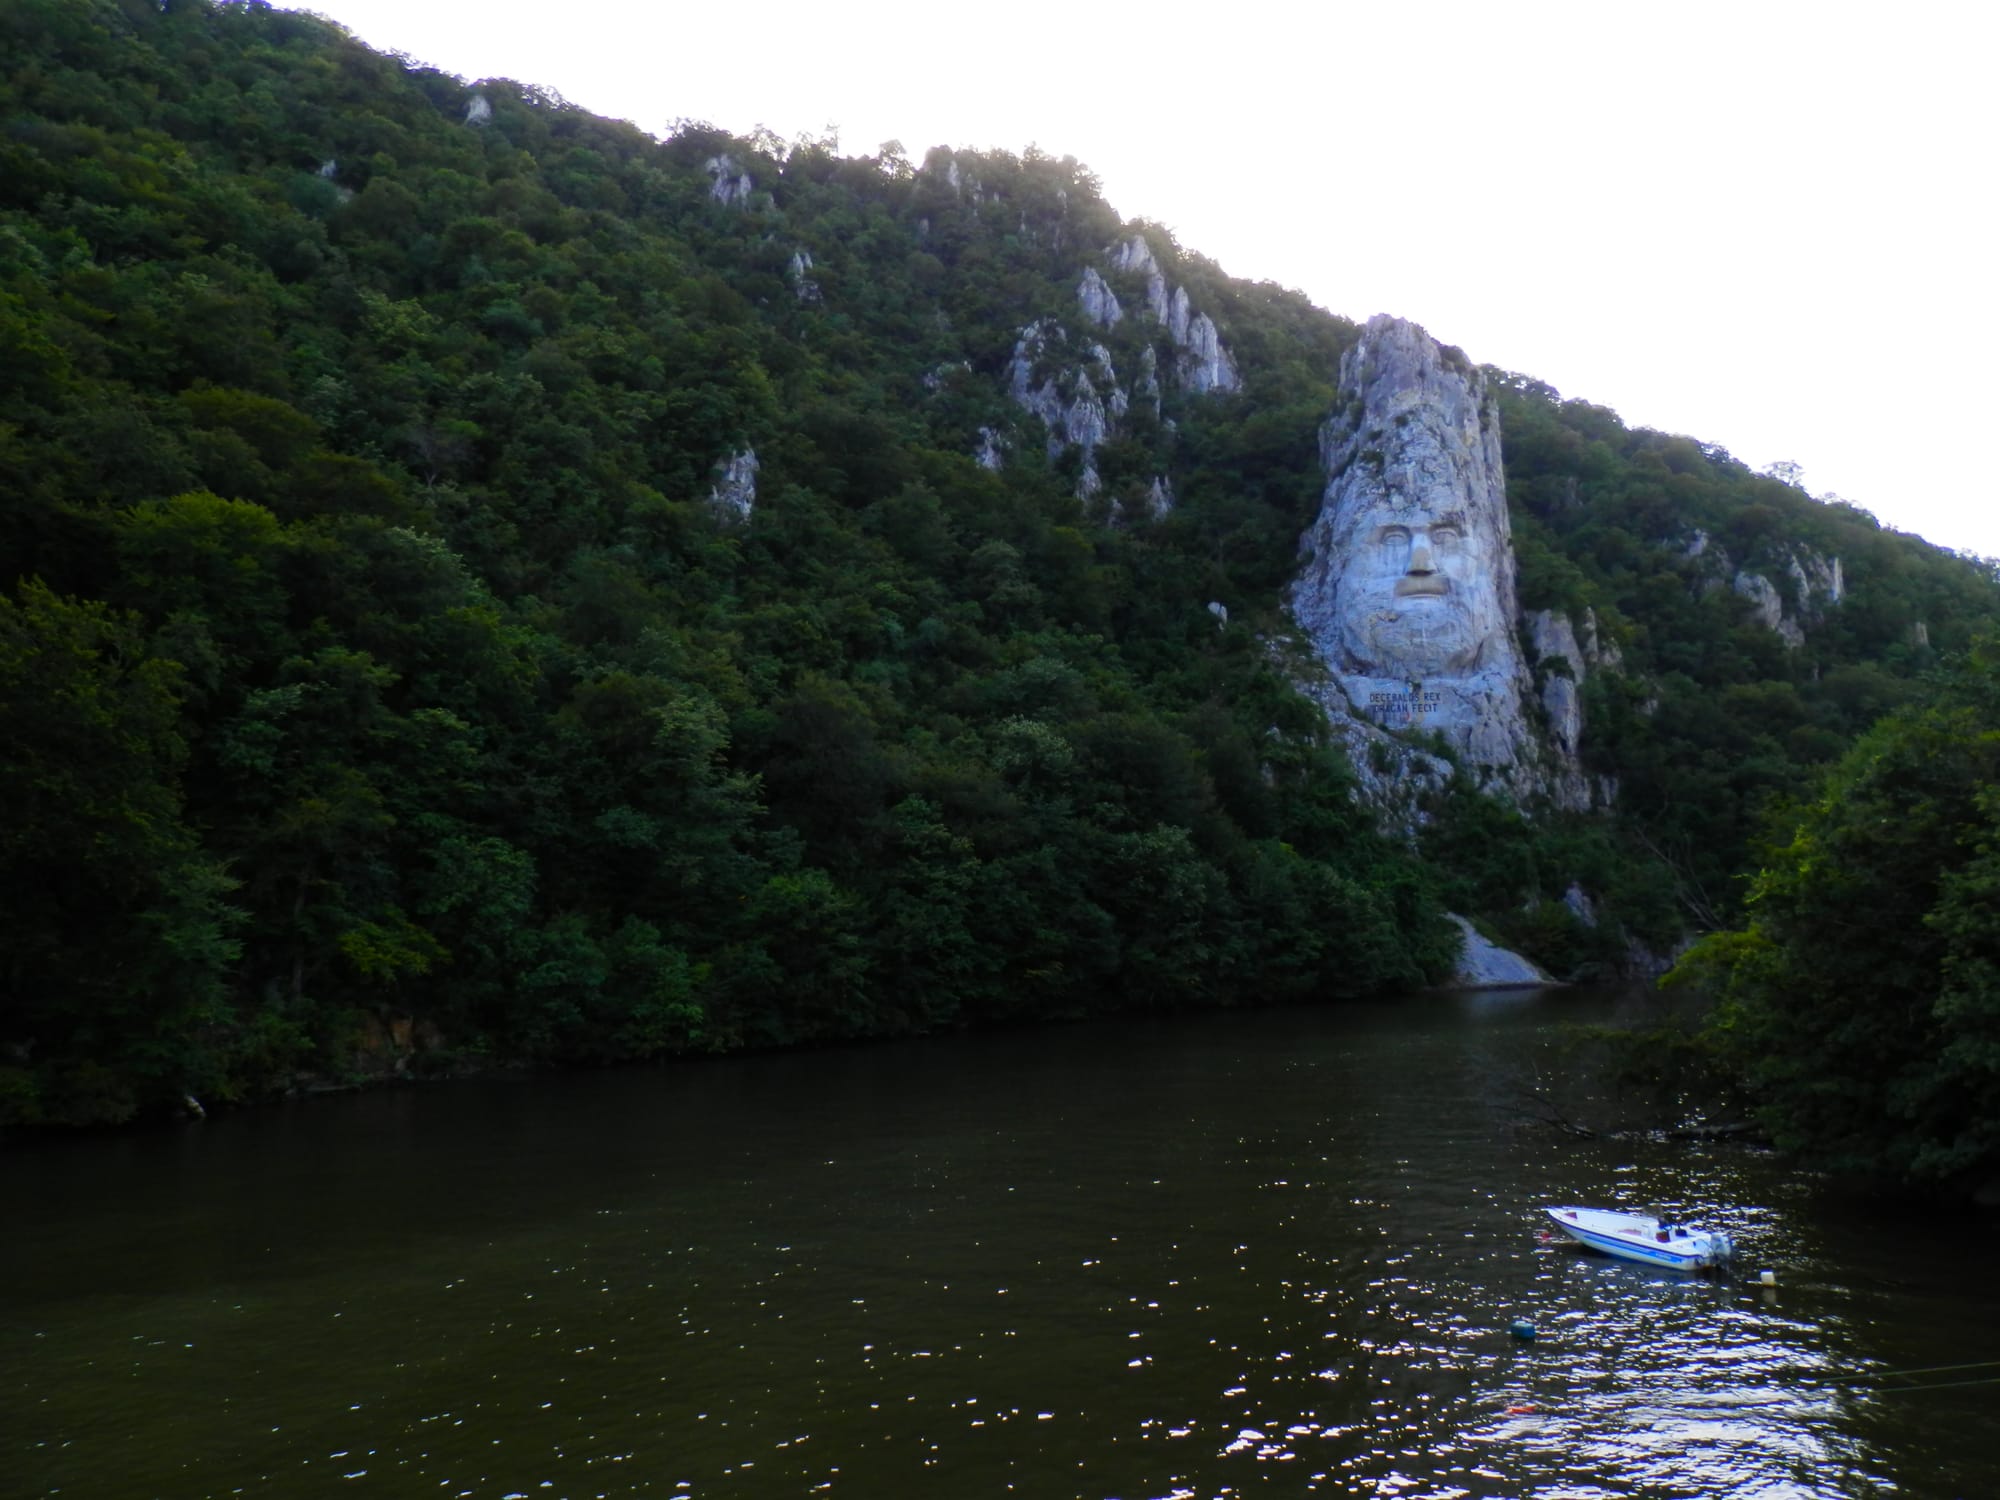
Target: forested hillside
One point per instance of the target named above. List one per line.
(388, 678)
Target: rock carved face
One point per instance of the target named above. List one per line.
(1416, 592)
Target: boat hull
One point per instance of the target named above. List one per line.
(1641, 1238)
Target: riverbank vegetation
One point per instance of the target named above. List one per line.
(1860, 1002)
(382, 687)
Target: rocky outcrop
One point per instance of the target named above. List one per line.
(1484, 965)
(728, 183)
(1817, 584)
(1098, 301)
(329, 172)
(964, 184)
(1767, 606)
(1577, 899)
(1157, 502)
(1599, 650)
(799, 273)
(1147, 387)
(992, 450)
(1407, 590)
(1077, 402)
(735, 492)
(1560, 665)
(478, 112)
(1201, 362)
(1820, 581)
(1135, 258)
(1564, 658)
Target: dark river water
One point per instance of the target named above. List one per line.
(1273, 1253)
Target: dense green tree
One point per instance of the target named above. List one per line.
(1860, 1006)
(383, 688)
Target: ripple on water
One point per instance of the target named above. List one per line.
(1273, 1253)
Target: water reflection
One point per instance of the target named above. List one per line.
(1190, 1258)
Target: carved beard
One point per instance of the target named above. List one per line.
(1415, 638)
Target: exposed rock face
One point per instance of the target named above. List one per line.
(478, 113)
(964, 183)
(1077, 403)
(1203, 363)
(1097, 300)
(1487, 966)
(1580, 905)
(329, 171)
(1200, 361)
(1599, 650)
(1135, 256)
(992, 451)
(1767, 605)
(1179, 311)
(728, 183)
(735, 492)
(799, 273)
(1561, 659)
(1147, 387)
(1408, 587)
(1818, 583)
(1158, 501)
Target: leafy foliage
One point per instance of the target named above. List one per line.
(377, 667)
(381, 687)
(1861, 1004)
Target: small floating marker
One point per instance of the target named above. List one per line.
(1767, 1278)
(1522, 1411)
(1522, 1329)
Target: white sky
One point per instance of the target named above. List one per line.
(1767, 225)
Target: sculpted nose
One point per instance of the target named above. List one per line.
(1420, 555)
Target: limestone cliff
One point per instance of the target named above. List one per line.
(799, 273)
(1407, 591)
(1098, 302)
(1813, 584)
(1076, 391)
(1201, 361)
(1077, 399)
(729, 184)
(735, 493)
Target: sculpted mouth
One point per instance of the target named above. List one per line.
(1418, 584)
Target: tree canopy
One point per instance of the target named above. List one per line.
(1860, 1005)
(382, 687)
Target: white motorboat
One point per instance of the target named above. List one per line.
(1641, 1237)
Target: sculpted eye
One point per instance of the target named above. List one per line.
(1444, 534)
(1393, 535)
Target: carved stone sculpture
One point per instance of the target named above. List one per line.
(1408, 588)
